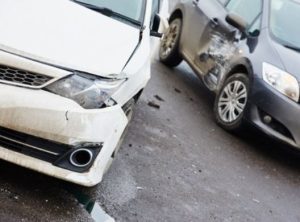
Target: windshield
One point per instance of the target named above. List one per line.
(285, 14)
(131, 9)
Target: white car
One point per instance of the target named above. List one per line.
(70, 73)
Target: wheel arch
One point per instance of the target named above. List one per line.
(177, 13)
(241, 66)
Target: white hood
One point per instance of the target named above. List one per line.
(64, 33)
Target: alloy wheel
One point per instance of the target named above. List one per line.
(232, 101)
(169, 39)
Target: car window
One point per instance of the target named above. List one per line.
(155, 9)
(155, 6)
(283, 18)
(247, 9)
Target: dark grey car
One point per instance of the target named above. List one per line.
(247, 52)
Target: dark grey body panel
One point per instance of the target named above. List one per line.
(215, 50)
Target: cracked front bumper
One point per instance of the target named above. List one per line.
(51, 117)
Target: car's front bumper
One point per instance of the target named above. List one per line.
(266, 102)
(51, 117)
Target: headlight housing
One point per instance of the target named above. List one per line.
(282, 81)
(90, 92)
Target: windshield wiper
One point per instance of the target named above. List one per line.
(108, 12)
(292, 47)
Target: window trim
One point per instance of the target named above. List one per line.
(259, 17)
(158, 10)
(223, 3)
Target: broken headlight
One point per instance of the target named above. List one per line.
(282, 81)
(88, 91)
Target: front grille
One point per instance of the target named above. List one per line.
(36, 147)
(26, 78)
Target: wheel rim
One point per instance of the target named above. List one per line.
(232, 101)
(170, 38)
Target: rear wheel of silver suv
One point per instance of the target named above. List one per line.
(231, 102)
(169, 46)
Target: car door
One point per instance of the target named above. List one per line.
(200, 14)
(219, 40)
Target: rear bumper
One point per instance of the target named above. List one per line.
(55, 118)
(285, 113)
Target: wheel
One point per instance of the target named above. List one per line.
(231, 102)
(169, 46)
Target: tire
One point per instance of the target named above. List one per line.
(232, 102)
(169, 46)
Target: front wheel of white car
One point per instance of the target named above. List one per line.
(169, 46)
(231, 102)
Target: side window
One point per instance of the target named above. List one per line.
(155, 9)
(247, 9)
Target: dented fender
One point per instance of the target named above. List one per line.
(45, 115)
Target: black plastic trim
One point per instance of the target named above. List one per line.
(49, 151)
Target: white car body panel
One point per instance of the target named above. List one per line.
(42, 46)
(80, 32)
(12, 60)
(38, 114)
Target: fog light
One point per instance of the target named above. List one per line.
(81, 157)
(267, 119)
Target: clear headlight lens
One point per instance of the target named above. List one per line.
(282, 81)
(88, 91)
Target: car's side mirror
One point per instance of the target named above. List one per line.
(155, 26)
(237, 22)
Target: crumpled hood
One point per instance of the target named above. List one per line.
(290, 59)
(63, 33)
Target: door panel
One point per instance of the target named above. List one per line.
(213, 30)
(219, 41)
(193, 26)
(198, 17)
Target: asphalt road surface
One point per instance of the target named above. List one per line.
(175, 164)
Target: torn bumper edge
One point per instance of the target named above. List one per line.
(49, 116)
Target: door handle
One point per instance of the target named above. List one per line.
(195, 2)
(214, 22)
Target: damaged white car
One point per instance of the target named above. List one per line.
(70, 74)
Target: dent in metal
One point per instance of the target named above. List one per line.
(216, 60)
(67, 115)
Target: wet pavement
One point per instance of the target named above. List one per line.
(175, 164)
(29, 196)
